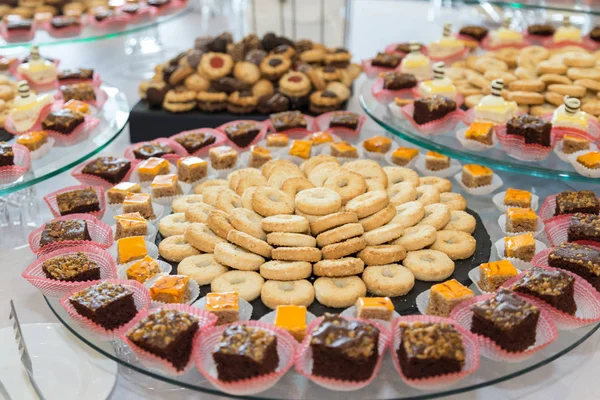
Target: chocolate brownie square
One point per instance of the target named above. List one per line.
(534, 130)
(111, 169)
(76, 73)
(109, 305)
(76, 267)
(595, 34)
(584, 201)
(584, 227)
(78, 91)
(63, 121)
(556, 288)
(344, 119)
(242, 133)
(540, 30)
(168, 334)
(78, 201)
(287, 120)
(386, 60)
(476, 32)
(432, 108)
(194, 141)
(64, 21)
(344, 349)
(7, 155)
(74, 229)
(507, 320)
(245, 352)
(579, 259)
(430, 349)
(394, 80)
(149, 150)
(19, 24)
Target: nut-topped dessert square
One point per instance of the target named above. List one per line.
(430, 349)
(584, 227)
(521, 220)
(507, 320)
(584, 201)
(225, 306)
(443, 297)
(152, 167)
(374, 308)
(287, 120)
(63, 121)
(245, 352)
(131, 248)
(78, 201)
(143, 270)
(168, 334)
(150, 150)
(534, 130)
(556, 288)
(242, 133)
(76, 73)
(579, 259)
(111, 169)
(75, 267)
(191, 169)
(78, 91)
(344, 119)
(394, 80)
(520, 246)
(292, 319)
(344, 349)
(387, 60)
(74, 229)
(432, 108)
(517, 198)
(107, 304)
(194, 141)
(117, 193)
(171, 289)
(493, 274)
(7, 155)
(130, 224)
(140, 203)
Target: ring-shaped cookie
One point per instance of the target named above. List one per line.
(382, 254)
(250, 243)
(436, 215)
(288, 239)
(455, 244)
(441, 184)
(202, 268)
(318, 201)
(384, 234)
(286, 270)
(218, 222)
(401, 174)
(331, 221)
(247, 197)
(201, 237)
(198, 212)
(285, 223)
(409, 214)
(250, 181)
(461, 221)
(347, 184)
(343, 249)
(378, 219)
(454, 201)
(368, 203)
(228, 200)
(247, 221)
(402, 192)
(181, 203)
(211, 182)
(310, 254)
(279, 293)
(429, 265)
(268, 201)
(374, 175)
(210, 194)
(309, 165)
(247, 284)
(428, 194)
(296, 184)
(339, 234)
(390, 280)
(176, 248)
(339, 292)
(237, 258)
(417, 237)
(339, 267)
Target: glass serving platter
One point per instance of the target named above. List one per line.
(113, 119)
(92, 34)
(447, 143)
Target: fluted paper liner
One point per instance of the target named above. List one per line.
(100, 233)
(22, 161)
(586, 297)
(93, 180)
(18, 35)
(304, 359)
(480, 190)
(322, 122)
(153, 362)
(166, 201)
(557, 230)
(515, 146)
(165, 269)
(50, 199)
(141, 298)
(502, 223)
(220, 139)
(451, 58)
(498, 200)
(144, 14)
(470, 343)
(437, 127)
(65, 32)
(517, 262)
(43, 150)
(541, 258)
(55, 288)
(292, 133)
(582, 169)
(244, 309)
(473, 145)
(387, 96)
(176, 147)
(459, 97)
(264, 127)
(37, 125)
(585, 43)
(391, 48)
(115, 23)
(82, 132)
(546, 333)
(210, 337)
(373, 71)
(169, 8)
(95, 81)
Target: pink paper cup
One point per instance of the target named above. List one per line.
(437, 127)
(95, 81)
(82, 132)
(37, 126)
(220, 139)
(50, 199)
(115, 23)
(93, 180)
(387, 96)
(296, 133)
(176, 147)
(586, 43)
(557, 229)
(66, 32)
(205, 320)
(54, 288)
(322, 124)
(546, 333)
(470, 343)
(143, 15)
(586, 297)
(373, 71)
(203, 358)
(516, 147)
(100, 233)
(458, 56)
(264, 127)
(304, 359)
(141, 298)
(19, 35)
(22, 161)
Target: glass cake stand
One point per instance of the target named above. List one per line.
(447, 143)
(113, 119)
(92, 34)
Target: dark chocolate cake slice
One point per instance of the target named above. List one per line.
(584, 201)
(75, 267)
(556, 288)
(110, 168)
(584, 227)
(579, 259)
(109, 305)
(432, 108)
(242, 133)
(78, 201)
(74, 229)
(534, 130)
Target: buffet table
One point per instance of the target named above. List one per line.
(568, 377)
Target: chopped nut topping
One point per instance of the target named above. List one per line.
(432, 340)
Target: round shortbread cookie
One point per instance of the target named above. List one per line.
(382, 254)
(309, 165)
(198, 212)
(388, 280)
(296, 184)
(378, 219)
(176, 248)
(247, 284)
(454, 201)
(211, 182)
(202, 268)
(268, 201)
(310, 254)
(455, 244)
(428, 194)
(247, 197)
(368, 203)
(201, 237)
(339, 292)
(339, 267)
(429, 265)
(401, 174)
(401, 193)
(288, 239)
(250, 243)
(343, 249)
(285, 223)
(181, 203)
(332, 221)
(247, 221)
(384, 234)
(409, 214)
(347, 184)
(339, 234)
(172, 224)
(441, 184)
(318, 201)
(436, 215)
(228, 201)
(374, 175)
(211, 193)
(461, 221)
(417, 237)
(286, 270)
(218, 222)
(280, 293)
(237, 258)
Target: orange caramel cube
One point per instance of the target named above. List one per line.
(171, 289)
(131, 248)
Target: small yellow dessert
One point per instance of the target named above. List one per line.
(292, 319)
(143, 270)
(590, 160)
(343, 149)
(131, 224)
(318, 138)
(493, 274)
(520, 246)
(131, 248)
(171, 289)
(225, 306)
(277, 140)
(33, 140)
(443, 297)
(301, 148)
(517, 198)
(152, 167)
(403, 155)
(117, 193)
(378, 144)
(77, 105)
(374, 308)
(481, 132)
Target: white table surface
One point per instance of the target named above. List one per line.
(571, 377)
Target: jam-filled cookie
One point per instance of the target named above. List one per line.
(216, 65)
(294, 84)
(212, 101)
(243, 102)
(179, 99)
(324, 101)
(274, 66)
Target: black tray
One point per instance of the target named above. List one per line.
(404, 305)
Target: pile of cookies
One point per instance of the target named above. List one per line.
(356, 227)
(268, 75)
(535, 77)
(8, 91)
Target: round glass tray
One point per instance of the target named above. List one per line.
(113, 119)
(92, 34)
(447, 143)
(387, 384)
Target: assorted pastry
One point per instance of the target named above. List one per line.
(265, 75)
